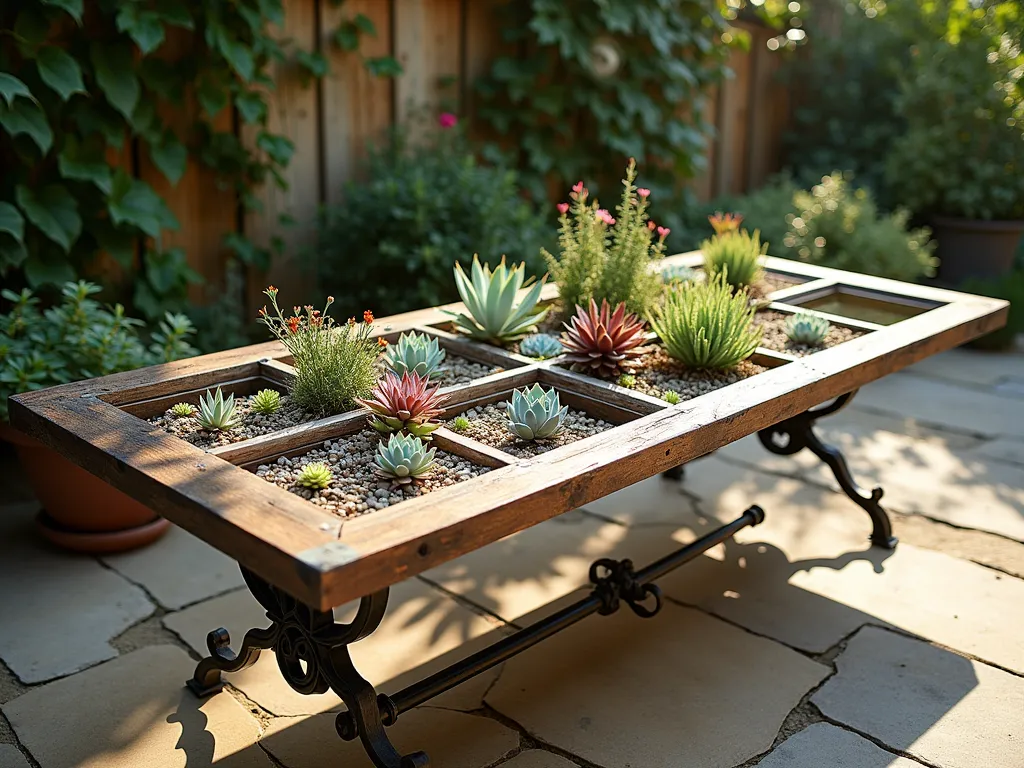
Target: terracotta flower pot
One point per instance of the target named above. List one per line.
(969, 248)
(80, 511)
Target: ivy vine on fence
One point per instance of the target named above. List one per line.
(84, 82)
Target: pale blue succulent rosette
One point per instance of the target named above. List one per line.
(535, 413)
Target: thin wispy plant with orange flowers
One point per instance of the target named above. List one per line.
(334, 364)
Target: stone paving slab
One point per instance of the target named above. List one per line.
(134, 712)
(423, 630)
(822, 744)
(926, 701)
(682, 688)
(538, 758)
(11, 757)
(178, 569)
(450, 739)
(1006, 449)
(970, 366)
(48, 597)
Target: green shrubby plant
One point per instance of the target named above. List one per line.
(415, 211)
(77, 339)
(706, 325)
(602, 257)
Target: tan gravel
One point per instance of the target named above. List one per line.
(489, 425)
(460, 370)
(657, 373)
(774, 324)
(253, 424)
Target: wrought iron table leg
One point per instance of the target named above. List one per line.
(793, 435)
(675, 473)
(312, 654)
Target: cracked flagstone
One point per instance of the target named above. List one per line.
(538, 758)
(823, 744)
(11, 757)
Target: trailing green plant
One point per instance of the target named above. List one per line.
(805, 328)
(265, 402)
(403, 459)
(334, 364)
(490, 298)
(417, 208)
(602, 342)
(626, 380)
(840, 227)
(183, 410)
(540, 346)
(315, 475)
(76, 339)
(535, 413)
(404, 404)
(218, 413)
(460, 424)
(737, 255)
(84, 83)
(671, 397)
(602, 257)
(706, 325)
(415, 353)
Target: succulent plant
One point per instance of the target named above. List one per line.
(316, 475)
(490, 299)
(460, 424)
(603, 343)
(706, 325)
(724, 223)
(541, 346)
(535, 413)
(671, 397)
(808, 329)
(266, 401)
(415, 353)
(677, 273)
(403, 459)
(217, 412)
(626, 380)
(181, 410)
(404, 403)
(737, 255)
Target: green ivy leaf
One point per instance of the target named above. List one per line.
(11, 221)
(115, 74)
(59, 71)
(11, 87)
(247, 251)
(119, 243)
(346, 36)
(365, 24)
(48, 268)
(144, 27)
(82, 162)
(170, 156)
(279, 148)
(73, 7)
(312, 62)
(54, 211)
(383, 66)
(144, 120)
(134, 202)
(96, 116)
(26, 117)
(30, 30)
(163, 77)
(237, 54)
(251, 106)
(212, 94)
(175, 13)
(12, 254)
(271, 10)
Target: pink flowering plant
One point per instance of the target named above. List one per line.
(606, 256)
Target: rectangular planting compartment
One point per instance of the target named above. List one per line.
(775, 339)
(775, 280)
(861, 304)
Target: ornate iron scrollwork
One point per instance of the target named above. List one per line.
(619, 582)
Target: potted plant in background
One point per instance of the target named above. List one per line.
(78, 339)
(961, 160)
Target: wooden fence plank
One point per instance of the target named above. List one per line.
(428, 46)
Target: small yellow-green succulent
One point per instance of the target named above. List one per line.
(182, 410)
(265, 402)
(316, 475)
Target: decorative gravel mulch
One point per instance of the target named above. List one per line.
(657, 373)
(488, 424)
(772, 282)
(356, 489)
(253, 424)
(460, 370)
(774, 338)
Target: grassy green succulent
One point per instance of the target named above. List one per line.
(403, 459)
(181, 410)
(490, 298)
(677, 273)
(626, 380)
(807, 329)
(540, 346)
(706, 325)
(316, 475)
(737, 255)
(671, 397)
(218, 413)
(535, 413)
(460, 424)
(415, 353)
(266, 401)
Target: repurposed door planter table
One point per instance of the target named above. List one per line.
(301, 559)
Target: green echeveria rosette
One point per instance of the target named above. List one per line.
(541, 346)
(807, 329)
(415, 353)
(403, 459)
(535, 413)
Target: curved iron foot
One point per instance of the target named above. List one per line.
(793, 435)
(312, 654)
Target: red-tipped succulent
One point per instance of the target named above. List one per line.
(405, 404)
(603, 343)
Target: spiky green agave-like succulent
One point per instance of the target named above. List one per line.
(265, 402)
(535, 413)
(316, 475)
(403, 459)
(807, 329)
(737, 255)
(541, 346)
(490, 299)
(217, 412)
(415, 353)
